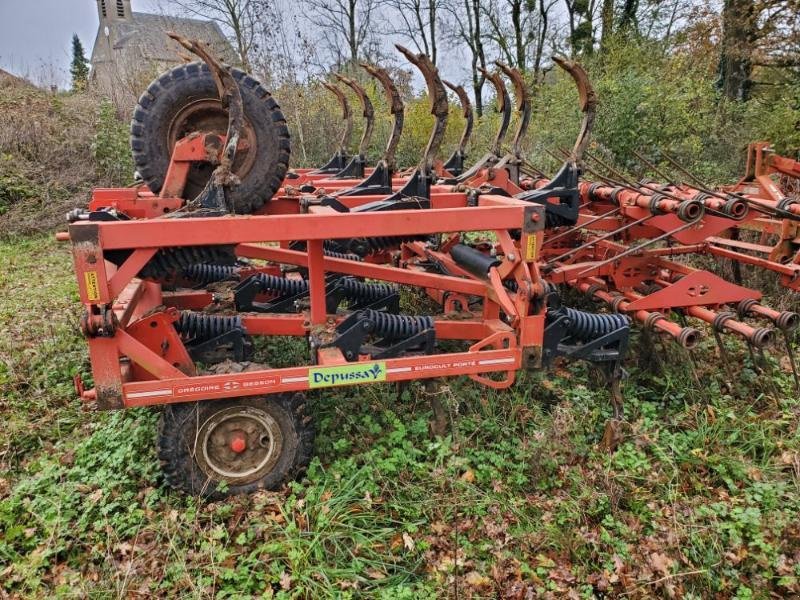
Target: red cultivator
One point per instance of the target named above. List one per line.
(222, 245)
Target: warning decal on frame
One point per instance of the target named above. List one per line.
(92, 286)
(367, 372)
(531, 250)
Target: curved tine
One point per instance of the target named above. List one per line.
(231, 98)
(344, 143)
(466, 105)
(503, 106)
(438, 98)
(523, 97)
(396, 109)
(587, 102)
(369, 112)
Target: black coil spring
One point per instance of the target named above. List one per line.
(373, 245)
(397, 326)
(343, 255)
(587, 326)
(355, 290)
(329, 248)
(198, 327)
(283, 285)
(209, 273)
(167, 261)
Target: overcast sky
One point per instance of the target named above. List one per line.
(35, 38)
(35, 35)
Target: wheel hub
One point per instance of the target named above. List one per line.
(207, 115)
(238, 444)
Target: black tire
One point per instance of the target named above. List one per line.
(185, 96)
(186, 429)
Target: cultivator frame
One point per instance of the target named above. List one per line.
(349, 235)
(136, 303)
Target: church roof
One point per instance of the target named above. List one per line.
(143, 37)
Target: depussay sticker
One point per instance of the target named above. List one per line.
(366, 372)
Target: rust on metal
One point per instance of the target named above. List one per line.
(368, 110)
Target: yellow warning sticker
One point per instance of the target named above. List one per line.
(531, 251)
(92, 286)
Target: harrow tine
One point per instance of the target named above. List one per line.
(369, 112)
(685, 171)
(724, 356)
(536, 171)
(763, 208)
(469, 118)
(583, 225)
(503, 107)
(214, 194)
(587, 103)
(642, 246)
(595, 241)
(439, 108)
(654, 169)
(396, 109)
(790, 354)
(344, 142)
(523, 98)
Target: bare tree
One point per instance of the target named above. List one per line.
(238, 17)
(510, 15)
(519, 28)
(466, 16)
(345, 26)
(418, 22)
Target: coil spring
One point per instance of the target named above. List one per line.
(282, 285)
(200, 327)
(587, 326)
(343, 255)
(209, 273)
(329, 248)
(372, 245)
(167, 261)
(397, 326)
(355, 290)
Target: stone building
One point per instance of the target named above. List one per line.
(132, 48)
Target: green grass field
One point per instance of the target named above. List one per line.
(700, 499)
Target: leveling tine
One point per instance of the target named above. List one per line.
(587, 102)
(369, 112)
(344, 142)
(439, 108)
(523, 98)
(456, 159)
(396, 109)
(503, 107)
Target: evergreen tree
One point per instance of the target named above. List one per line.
(80, 67)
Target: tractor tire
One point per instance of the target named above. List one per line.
(184, 100)
(197, 442)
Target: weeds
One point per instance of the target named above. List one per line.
(700, 499)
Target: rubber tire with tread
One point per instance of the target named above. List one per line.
(186, 83)
(177, 431)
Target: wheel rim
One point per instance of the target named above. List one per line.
(238, 445)
(207, 115)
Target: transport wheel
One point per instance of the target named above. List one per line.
(184, 100)
(248, 444)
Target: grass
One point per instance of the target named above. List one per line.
(700, 500)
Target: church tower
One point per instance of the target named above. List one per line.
(113, 10)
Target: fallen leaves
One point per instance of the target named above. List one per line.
(660, 563)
